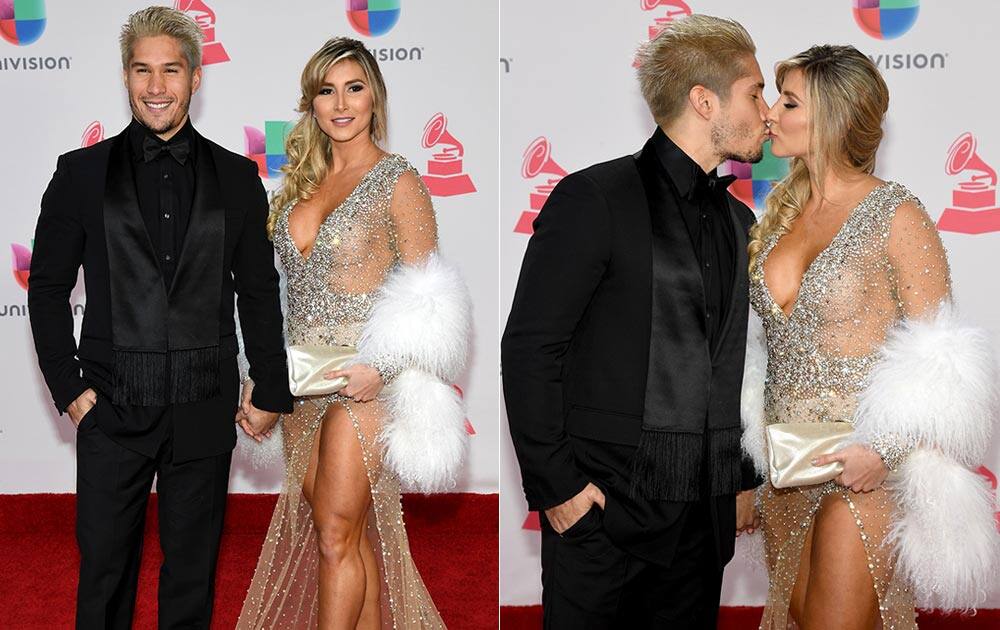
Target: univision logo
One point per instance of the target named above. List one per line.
(22, 22)
(754, 181)
(21, 263)
(21, 258)
(372, 18)
(909, 61)
(886, 19)
(267, 148)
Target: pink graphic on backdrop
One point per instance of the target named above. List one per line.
(675, 9)
(211, 50)
(21, 256)
(93, 134)
(532, 523)
(538, 160)
(468, 425)
(974, 207)
(444, 176)
(991, 478)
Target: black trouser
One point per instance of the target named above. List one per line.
(113, 485)
(589, 582)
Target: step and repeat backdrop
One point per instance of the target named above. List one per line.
(569, 99)
(61, 88)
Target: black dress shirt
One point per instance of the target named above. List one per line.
(702, 201)
(165, 189)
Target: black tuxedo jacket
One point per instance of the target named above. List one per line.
(575, 351)
(71, 233)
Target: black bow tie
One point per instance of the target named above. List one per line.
(178, 149)
(707, 186)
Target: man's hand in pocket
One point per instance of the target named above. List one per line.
(565, 515)
(81, 406)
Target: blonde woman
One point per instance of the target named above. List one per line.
(851, 282)
(356, 234)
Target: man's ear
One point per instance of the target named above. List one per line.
(704, 101)
(196, 79)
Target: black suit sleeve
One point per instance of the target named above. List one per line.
(749, 479)
(563, 265)
(55, 265)
(259, 304)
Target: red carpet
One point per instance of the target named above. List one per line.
(747, 618)
(453, 538)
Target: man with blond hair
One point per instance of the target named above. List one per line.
(623, 354)
(167, 225)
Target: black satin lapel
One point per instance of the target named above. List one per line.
(675, 266)
(677, 317)
(132, 263)
(740, 290)
(194, 320)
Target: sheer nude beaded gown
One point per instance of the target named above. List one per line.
(885, 264)
(387, 220)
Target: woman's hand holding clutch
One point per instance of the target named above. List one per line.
(363, 382)
(864, 469)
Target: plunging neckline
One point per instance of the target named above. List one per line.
(806, 274)
(305, 258)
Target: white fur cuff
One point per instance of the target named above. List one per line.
(752, 399)
(945, 535)
(425, 438)
(935, 386)
(421, 318)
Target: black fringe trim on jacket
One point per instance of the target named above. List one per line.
(670, 466)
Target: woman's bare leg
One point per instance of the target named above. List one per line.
(797, 601)
(371, 617)
(840, 593)
(336, 486)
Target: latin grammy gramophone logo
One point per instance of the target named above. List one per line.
(974, 201)
(537, 161)
(93, 134)
(675, 9)
(445, 176)
(211, 50)
(22, 22)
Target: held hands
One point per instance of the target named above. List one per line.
(747, 517)
(864, 469)
(363, 382)
(256, 423)
(565, 515)
(81, 406)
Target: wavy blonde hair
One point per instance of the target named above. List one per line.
(848, 100)
(307, 147)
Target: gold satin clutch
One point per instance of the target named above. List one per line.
(308, 364)
(792, 446)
